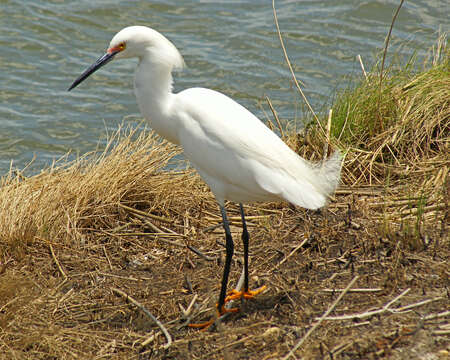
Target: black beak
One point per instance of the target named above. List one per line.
(103, 60)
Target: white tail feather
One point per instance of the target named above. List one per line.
(313, 191)
(329, 174)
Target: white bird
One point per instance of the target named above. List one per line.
(238, 156)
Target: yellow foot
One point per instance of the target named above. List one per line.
(202, 326)
(205, 325)
(250, 294)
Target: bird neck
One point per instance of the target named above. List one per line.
(153, 90)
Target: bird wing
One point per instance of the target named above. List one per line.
(237, 154)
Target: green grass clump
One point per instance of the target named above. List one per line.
(404, 101)
(392, 126)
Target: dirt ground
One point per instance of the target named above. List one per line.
(61, 300)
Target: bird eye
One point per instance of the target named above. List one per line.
(122, 46)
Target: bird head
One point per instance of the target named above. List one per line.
(141, 42)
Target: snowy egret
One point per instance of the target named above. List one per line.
(239, 157)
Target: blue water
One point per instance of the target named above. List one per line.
(230, 46)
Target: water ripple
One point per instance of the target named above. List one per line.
(231, 46)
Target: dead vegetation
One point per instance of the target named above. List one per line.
(79, 238)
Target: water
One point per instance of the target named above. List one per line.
(231, 46)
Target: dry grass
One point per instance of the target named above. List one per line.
(396, 134)
(72, 234)
(72, 201)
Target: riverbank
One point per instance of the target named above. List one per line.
(74, 234)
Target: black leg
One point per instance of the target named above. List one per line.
(245, 238)
(229, 256)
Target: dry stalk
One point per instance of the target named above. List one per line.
(143, 213)
(354, 290)
(326, 145)
(436, 316)
(148, 313)
(57, 262)
(299, 246)
(323, 317)
(292, 70)
(187, 312)
(384, 309)
(9, 303)
(275, 115)
(388, 37)
(362, 67)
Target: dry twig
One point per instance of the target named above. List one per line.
(385, 308)
(353, 290)
(287, 257)
(323, 317)
(436, 316)
(148, 313)
(143, 213)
